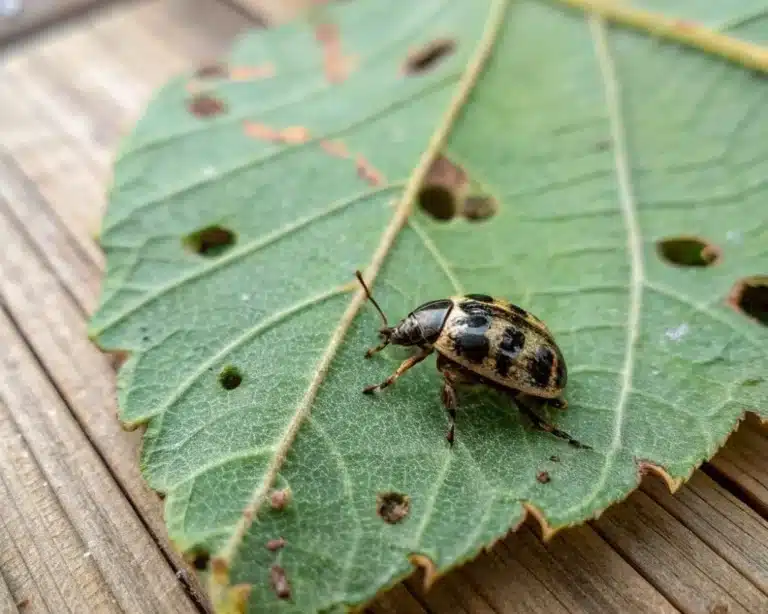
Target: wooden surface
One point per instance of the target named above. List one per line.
(80, 531)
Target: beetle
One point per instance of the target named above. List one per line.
(481, 340)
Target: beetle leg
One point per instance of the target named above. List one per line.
(371, 351)
(406, 364)
(450, 401)
(543, 425)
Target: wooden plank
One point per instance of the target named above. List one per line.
(113, 557)
(731, 528)
(7, 602)
(55, 327)
(66, 101)
(575, 572)
(273, 12)
(18, 17)
(43, 554)
(682, 567)
(742, 465)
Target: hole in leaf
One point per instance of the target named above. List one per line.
(204, 105)
(429, 56)
(392, 507)
(750, 296)
(200, 560)
(688, 251)
(230, 377)
(477, 208)
(438, 202)
(210, 241)
(216, 70)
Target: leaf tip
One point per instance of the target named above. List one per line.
(547, 530)
(646, 467)
(428, 566)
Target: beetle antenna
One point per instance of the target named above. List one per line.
(359, 276)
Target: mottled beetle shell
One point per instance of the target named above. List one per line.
(503, 343)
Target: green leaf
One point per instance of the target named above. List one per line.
(249, 193)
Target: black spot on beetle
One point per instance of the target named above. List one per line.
(483, 298)
(561, 376)
(541, 366)
(473, 347)
(512, 341)
(518, 310)
(469, 336)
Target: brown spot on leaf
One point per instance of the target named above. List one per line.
(279, 582)
(275, 544)
(252, 73)
(278, 499)
(215, 70)
(720, 608)
(292, 135)
(337, 66)
(543, 477)
(220, 569)
(750, 297)
(335, 148)
(428, 56)
(688, 251)
(445, 172)
(210, 241)
(205, 105)
(366, 171)
(118, 358)
(603, 145)
(392, 507)
(478, 208)
(22, 604)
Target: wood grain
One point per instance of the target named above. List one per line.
(681, 566)
(742, 464)
(90, 543)
(728, 526)
(21, 16)
(7, 602)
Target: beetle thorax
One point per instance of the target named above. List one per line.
(407, 332)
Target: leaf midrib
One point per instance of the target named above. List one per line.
(464, 87)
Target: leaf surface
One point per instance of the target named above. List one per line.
(250, 192)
